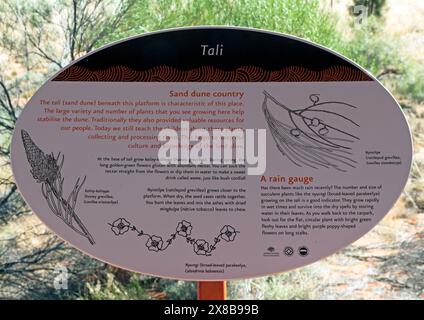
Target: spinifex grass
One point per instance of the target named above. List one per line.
(45, 169)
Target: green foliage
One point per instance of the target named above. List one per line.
(372, 49)
(381, 54)
(42, 34)
(410, 84)
(297, 17)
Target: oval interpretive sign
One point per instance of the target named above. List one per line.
(211, 153)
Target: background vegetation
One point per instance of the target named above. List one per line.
(38, 37)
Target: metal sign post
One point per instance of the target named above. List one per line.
(212, 290)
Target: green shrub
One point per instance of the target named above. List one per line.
(372, 49)
(410, 84)
(297, 17)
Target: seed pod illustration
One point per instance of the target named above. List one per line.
(319, 135)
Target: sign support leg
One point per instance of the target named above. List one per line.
(212, 290)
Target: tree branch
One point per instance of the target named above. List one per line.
(9, 109)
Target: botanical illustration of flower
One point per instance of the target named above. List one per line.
(154, 243)
(46, 170)
(184, 228)
(228, 233)
(120, 226)
(320, 135)
(201, 247)
(44, 167)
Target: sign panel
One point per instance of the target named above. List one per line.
(211, 153)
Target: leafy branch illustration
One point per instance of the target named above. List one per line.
(45, 169)
(314, 136)
(184, 228)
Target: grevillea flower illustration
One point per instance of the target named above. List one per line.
(44, 167)
(184, 228)
(46, 170)
(228, 233)
(320, 135)
(120, 226)
(154, 243)
(201, 247)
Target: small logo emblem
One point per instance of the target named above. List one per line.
(303, 251)
(271, 252)
(288, 251)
